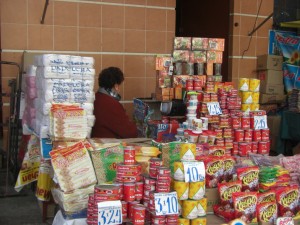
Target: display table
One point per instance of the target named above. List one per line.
(289, 131)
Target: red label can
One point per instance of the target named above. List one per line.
(235, 148)
(102, 198)
(163, 188)
(153, 172)
(254, 147)
(263, 147)
(163, 170)
(129, 155)
(244, 148)
(219, 133)
(138, 214)
(148, 187)
(236, 122)
(159, 220)
(149, 181)
(189, 84)
(124, 209)
(239, 135)
(130, 208)
(245, 122)
(228, 142)
(248, 135)
(163, 177)
(172, 219)
(129, 192)
(213, 97)
(265, 134)
(256, 135)
(139, 190)
(220, 142)
(197, 84)
(155, 162)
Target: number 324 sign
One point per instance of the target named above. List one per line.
(109, 213)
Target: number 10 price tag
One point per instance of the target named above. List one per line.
(109, 213)
(194, 171)
(214, 108)
(260, 122)
(166, 203)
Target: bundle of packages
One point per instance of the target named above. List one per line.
(291, 163)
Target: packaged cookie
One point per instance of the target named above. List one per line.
(199, 43)
(267, 212)
(181, 55)
(249, 178)
(287, 199)
(182, 43)
(229, 168)
(214, 169)
(226, 190)
(245, 206)
(264, 197)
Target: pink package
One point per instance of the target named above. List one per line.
(30, 81)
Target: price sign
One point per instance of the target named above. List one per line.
(260, 122)
(214, 108)
(194, 171)
(166, 203)
(109, 213)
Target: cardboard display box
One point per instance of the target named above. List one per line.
(269, 62)
(276, 89)
(269, 98)
(213, 198)
(270, 76)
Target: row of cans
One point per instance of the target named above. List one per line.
(187, 190)
(126, 173)
(197, 221)
(192, 209)
(249, 135)
(244, 148)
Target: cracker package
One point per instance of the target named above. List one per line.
(182, 43)
(214, 168)
(249, 178)
(264, 197)
(287, 199)
(199, 43)
(199, 56)
(229, 168)
(226, 190)
(245, 206)
(181, 55)
(267, 212)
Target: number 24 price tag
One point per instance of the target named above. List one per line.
(109, 213)
(194, 171)
(214, 108)
(166, 203)
(260, 122)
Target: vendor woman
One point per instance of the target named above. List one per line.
(111, 118)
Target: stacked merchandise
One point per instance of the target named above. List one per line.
(191, 189)
(294, 100)
(59, 79)
(249, 93)
(271, 75)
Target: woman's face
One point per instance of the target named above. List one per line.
(117, 88)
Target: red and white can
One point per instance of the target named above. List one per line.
(139, 190)
(138, 217)
(236, 122)
(256, 135)
(228, 143)
(265, 134)
(220, 142)
(244, 148)
(254, 147)
(158, 220)
(245, 122)
(235, 148)
(130, 208)
(129, 192)
(239, 135)
(124, 209)
(219, 133)
(248, 135)
(172, 219)
(189, 84)
(103, 198)
(228, 133)
(263, 147)
(129, 155)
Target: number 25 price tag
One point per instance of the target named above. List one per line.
(166, 203)
(260, 122)
(214, 108)
(194, 171)
(109, 213)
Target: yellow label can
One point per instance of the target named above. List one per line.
(243, 84)
(183, 221)
(254, 107)
(197, 190)
(190, 209)
(199, 221)
(178, 171)
(187, 152)
(255, 97)
(182, 189)
(202, 207)
(247, 97)
(246, 107)
(254, 85)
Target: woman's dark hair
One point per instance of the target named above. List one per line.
(110, 76)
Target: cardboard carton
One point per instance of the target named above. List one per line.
(269, 62)
(276, 89)
(213, 198)
(270, 76)
(271, 98)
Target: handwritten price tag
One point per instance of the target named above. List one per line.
(109, 213)
(260, 122)
(214, 108)
(194, 171)
(166, 203)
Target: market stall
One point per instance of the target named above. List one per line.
(206, 163)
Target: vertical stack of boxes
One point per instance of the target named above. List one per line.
(270, 73)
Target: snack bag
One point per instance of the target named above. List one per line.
(268, 196)
(216, 151)
(245, 206)
(229, 169)
(226, 190)
(287, 199)
(214, 169)
(226, 213)
(267, 212)
(249, 178)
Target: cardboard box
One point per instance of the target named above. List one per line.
(270, 76)
(213, 198)
(276, 89)
(269, 62)
(271, 98)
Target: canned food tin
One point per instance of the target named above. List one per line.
(246, 122)
(265, 134)
(163, 189)
(155, 162)
(219, 133)
(129, 155)
(254, 85)
(187, 151)
(102, 198)
(220, 142)
(239, 135)
(189, 84)
(254, 107)
(256, 135)
(247, 97)
(227, 133)
(129, 168)
(158, 220)
(139, 190)
(162, 170)
(254, 147)
(248, 135)
(107, 190)
(246, 107)
(235, 148)
(262, 147)
(172, 219)
(244, 84)
(213, 97)
(153, 172)
(228, 143)
(255, 97)
(124, 209)
(178, 171)
(224, 121)
(244, 148)
(202, 207)
(197, 190)
(182, 189)
(149, 181)
(197, 84)
(198, 221)
(183, 221)
(138, 217)
(129, 192)
(128, 179)
(130, 208)
(235, 122)
(190, 209)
